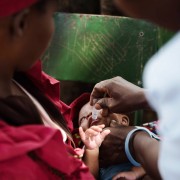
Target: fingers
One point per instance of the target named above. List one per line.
(105, 133)
(82, 134)
(105, 112)
(98, 92)
(119, 176)
(92, 131)
(128, 175)
(102, 88)
(98, 128)
(104, 103)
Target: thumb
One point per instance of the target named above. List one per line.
(105, 133)
(105, 112)
(104, 103)
(82, 134)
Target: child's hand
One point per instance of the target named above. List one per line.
(129, 175)
(94, 136)
(135, 173)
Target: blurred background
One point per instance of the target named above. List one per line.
(71, 90)
(105, 7)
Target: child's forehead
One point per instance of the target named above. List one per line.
(86, 109)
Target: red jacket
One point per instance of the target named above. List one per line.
(37, 152)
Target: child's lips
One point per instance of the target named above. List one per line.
(93, 122)
(98, 121)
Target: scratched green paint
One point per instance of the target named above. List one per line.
(91, 48)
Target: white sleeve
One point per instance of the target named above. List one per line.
(162, 79)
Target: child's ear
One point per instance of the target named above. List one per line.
(125, 120)
(19, 23)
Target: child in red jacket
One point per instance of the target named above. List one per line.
(29, 99)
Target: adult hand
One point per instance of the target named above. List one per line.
(112, 148)
(121, 96)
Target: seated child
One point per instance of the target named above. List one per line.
(91, 134)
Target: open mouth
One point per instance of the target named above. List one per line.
(93, 122)
(99, 121)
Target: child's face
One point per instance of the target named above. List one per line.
(85, 118)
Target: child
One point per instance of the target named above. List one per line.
(29, 99)
(90, 132)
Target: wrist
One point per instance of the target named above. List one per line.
(91, 150)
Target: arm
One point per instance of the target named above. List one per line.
(142, 147)
(91, 159)
(92, 138)
(145, 150)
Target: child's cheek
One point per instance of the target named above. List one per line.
(85, 124)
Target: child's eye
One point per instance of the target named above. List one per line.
(81, 120)
(88, 115)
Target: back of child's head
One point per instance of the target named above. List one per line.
(10, 7)
(26, 27)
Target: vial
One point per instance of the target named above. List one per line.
(95, 113)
